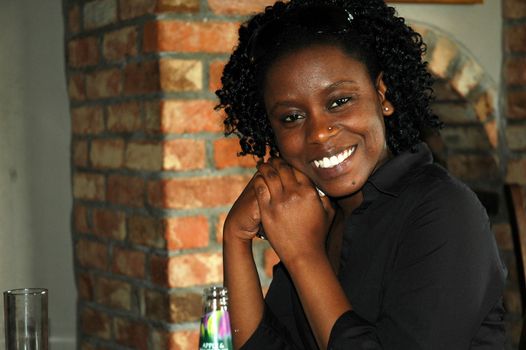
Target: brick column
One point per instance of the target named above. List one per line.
(514, 81)
(152, 175)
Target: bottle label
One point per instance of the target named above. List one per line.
(215, 331)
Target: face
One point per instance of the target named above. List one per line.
(328, 117)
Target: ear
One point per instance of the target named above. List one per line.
(381, 89)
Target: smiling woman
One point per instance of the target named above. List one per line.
(399, 254)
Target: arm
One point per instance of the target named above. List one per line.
(296, 222)
(240, 275)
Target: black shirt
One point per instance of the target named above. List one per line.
(419, 265)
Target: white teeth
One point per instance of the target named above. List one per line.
(327, 162)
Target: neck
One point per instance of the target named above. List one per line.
(349, 203)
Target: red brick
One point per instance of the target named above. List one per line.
(173, 308)
(190, 116)
(515, 70)
(473, 167)
(516, 137)
(485, 105)
(187, 232)
(219, 227)
(131, 333)
(144, 155)
(92, 254)
(74, 19)
(240, 7)
(77, 87)
(515, 38)
(80, 218)
(87, 120)
(80, 153)
(113, 293)
(184, 36)
(270, 259)
(466, 138)
(180, 75)
(125, 117)
(95, 323)
(126, 190)
(104, 83)
(492, 133)
(516, 168)
(107, 153)
(83, 52)
(467, 77)
(183, 340)
(184, 154)
(141, 78)
(120, 44)
(225, 155)
(129, 9)
(146, 231)
(216, 71)
(190, 193)
(89, 186)
(516, 105)
(442, 56)
(187, 270)
(514, 9)
(85, 286)
(178, 6)
(109, 223)
(128, 262)
(99, 13)
(156, 307)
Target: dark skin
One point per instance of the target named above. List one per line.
(327, 116)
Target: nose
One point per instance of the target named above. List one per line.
(320, 127)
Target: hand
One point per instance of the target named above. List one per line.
(296, 220)
(243, 220)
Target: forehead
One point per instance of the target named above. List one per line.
(316, 64)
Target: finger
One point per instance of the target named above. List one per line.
(327, 205)
(272, 179)
(261, 190)
(286, 172)
(302, 178)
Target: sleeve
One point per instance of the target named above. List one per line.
(270, 335)
(446, 279)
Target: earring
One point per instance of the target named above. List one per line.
(386, 109)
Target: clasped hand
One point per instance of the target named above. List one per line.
(285, 203)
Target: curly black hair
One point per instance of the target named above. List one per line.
(377, 37)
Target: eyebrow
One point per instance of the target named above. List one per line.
(330, 87)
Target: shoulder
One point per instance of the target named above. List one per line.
(440, 204)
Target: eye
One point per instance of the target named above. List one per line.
(339, 102)
(291, 118)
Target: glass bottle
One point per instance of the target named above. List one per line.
(215, 333)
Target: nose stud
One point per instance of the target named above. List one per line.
(330, 128)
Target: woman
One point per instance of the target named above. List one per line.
(391, 252)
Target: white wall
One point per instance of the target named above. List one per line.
(35, 190)
(477, 27)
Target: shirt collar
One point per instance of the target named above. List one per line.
(388, 178)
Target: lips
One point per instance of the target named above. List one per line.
(334, 160)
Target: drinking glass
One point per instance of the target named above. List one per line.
(26, 319)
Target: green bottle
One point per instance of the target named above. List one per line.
(215, 333)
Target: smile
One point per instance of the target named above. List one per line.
(331, 162)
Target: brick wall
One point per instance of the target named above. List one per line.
(153, 177)
(514, 96)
